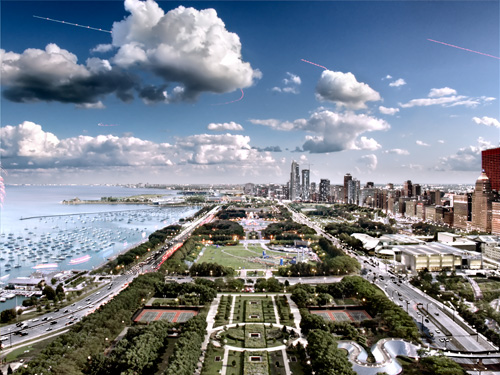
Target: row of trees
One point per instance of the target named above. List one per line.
(339, 265)
(187, 349)
(288, 230)
(139, 352)
(388, 316)
(69, 353)
(210, 269)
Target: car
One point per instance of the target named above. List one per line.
(66, 311)
(19, 324)
(49, 329)
(87, 300)
(441, 340)
(44, 319)
(23, 333)
(98, 293)
(35, 320)
(436, 313)
(426, 320)
(4, 338)
(73, 304)
(53, 322)
(68, 323)
(438, 331)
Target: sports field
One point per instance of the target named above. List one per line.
(342, 315)
(172, 316)
(239, 256)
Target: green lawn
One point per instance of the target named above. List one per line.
(210, 365)
(213, 254)
(254, 367)
(243, 309)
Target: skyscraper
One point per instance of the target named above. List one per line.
(324, 190)
(491, 166)
(295, 181)
(305, 185)
(481, 204)
(347, 178)
(407, 188)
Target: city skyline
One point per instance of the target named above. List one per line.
(233, 92)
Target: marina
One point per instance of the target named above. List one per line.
(54, 240)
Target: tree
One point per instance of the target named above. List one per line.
(9, 370)
(49, 292)
(60, 290)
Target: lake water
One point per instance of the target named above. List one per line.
(61, 237)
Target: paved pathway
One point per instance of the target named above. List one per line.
(231, 313)
(276, 315)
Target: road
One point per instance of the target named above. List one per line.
(447, 332)
(63, 318)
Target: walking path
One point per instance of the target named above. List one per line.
(276, 315)
(231, 314)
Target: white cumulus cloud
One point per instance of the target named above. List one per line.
(488, 121)
(344, 90)
(225, 126)
(332, 131)
(27, 145)
(187, 46)
(445, 91)
(291, 84)
(398, 82)
(466, 158)
(388, 111)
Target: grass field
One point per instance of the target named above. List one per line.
(229, 256)
(243, 309)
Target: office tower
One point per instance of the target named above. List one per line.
(481, 204)
(407, 189)
(353, 191)
(491, 166)
(416, 190)
(462, 211)
(347, 178)
(324, 190)
(305, 185)
(294, 182)
(495, 218)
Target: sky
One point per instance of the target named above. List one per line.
(233, 91)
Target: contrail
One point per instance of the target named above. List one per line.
(465, 49)
(233, 101)
(73, 24)
(321, 66)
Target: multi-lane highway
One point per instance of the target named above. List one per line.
(434, 320)
(56, 322)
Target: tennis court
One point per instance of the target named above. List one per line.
(172, 316)
(342, 315)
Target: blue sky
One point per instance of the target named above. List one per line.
(391, 105)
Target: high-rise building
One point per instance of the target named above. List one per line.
(407, 189)
(481, 204)
(491, 166)
(353, 191)
(305, 185)
(416, 190)
(462, 211)
(324, 190)
(347, 178)
(295, 182)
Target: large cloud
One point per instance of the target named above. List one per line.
(370, 161)
(184, 45)
(221, 149)
(344, 90)
(54, 74)
(466, 158)
(27, 145)
(333, 131)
